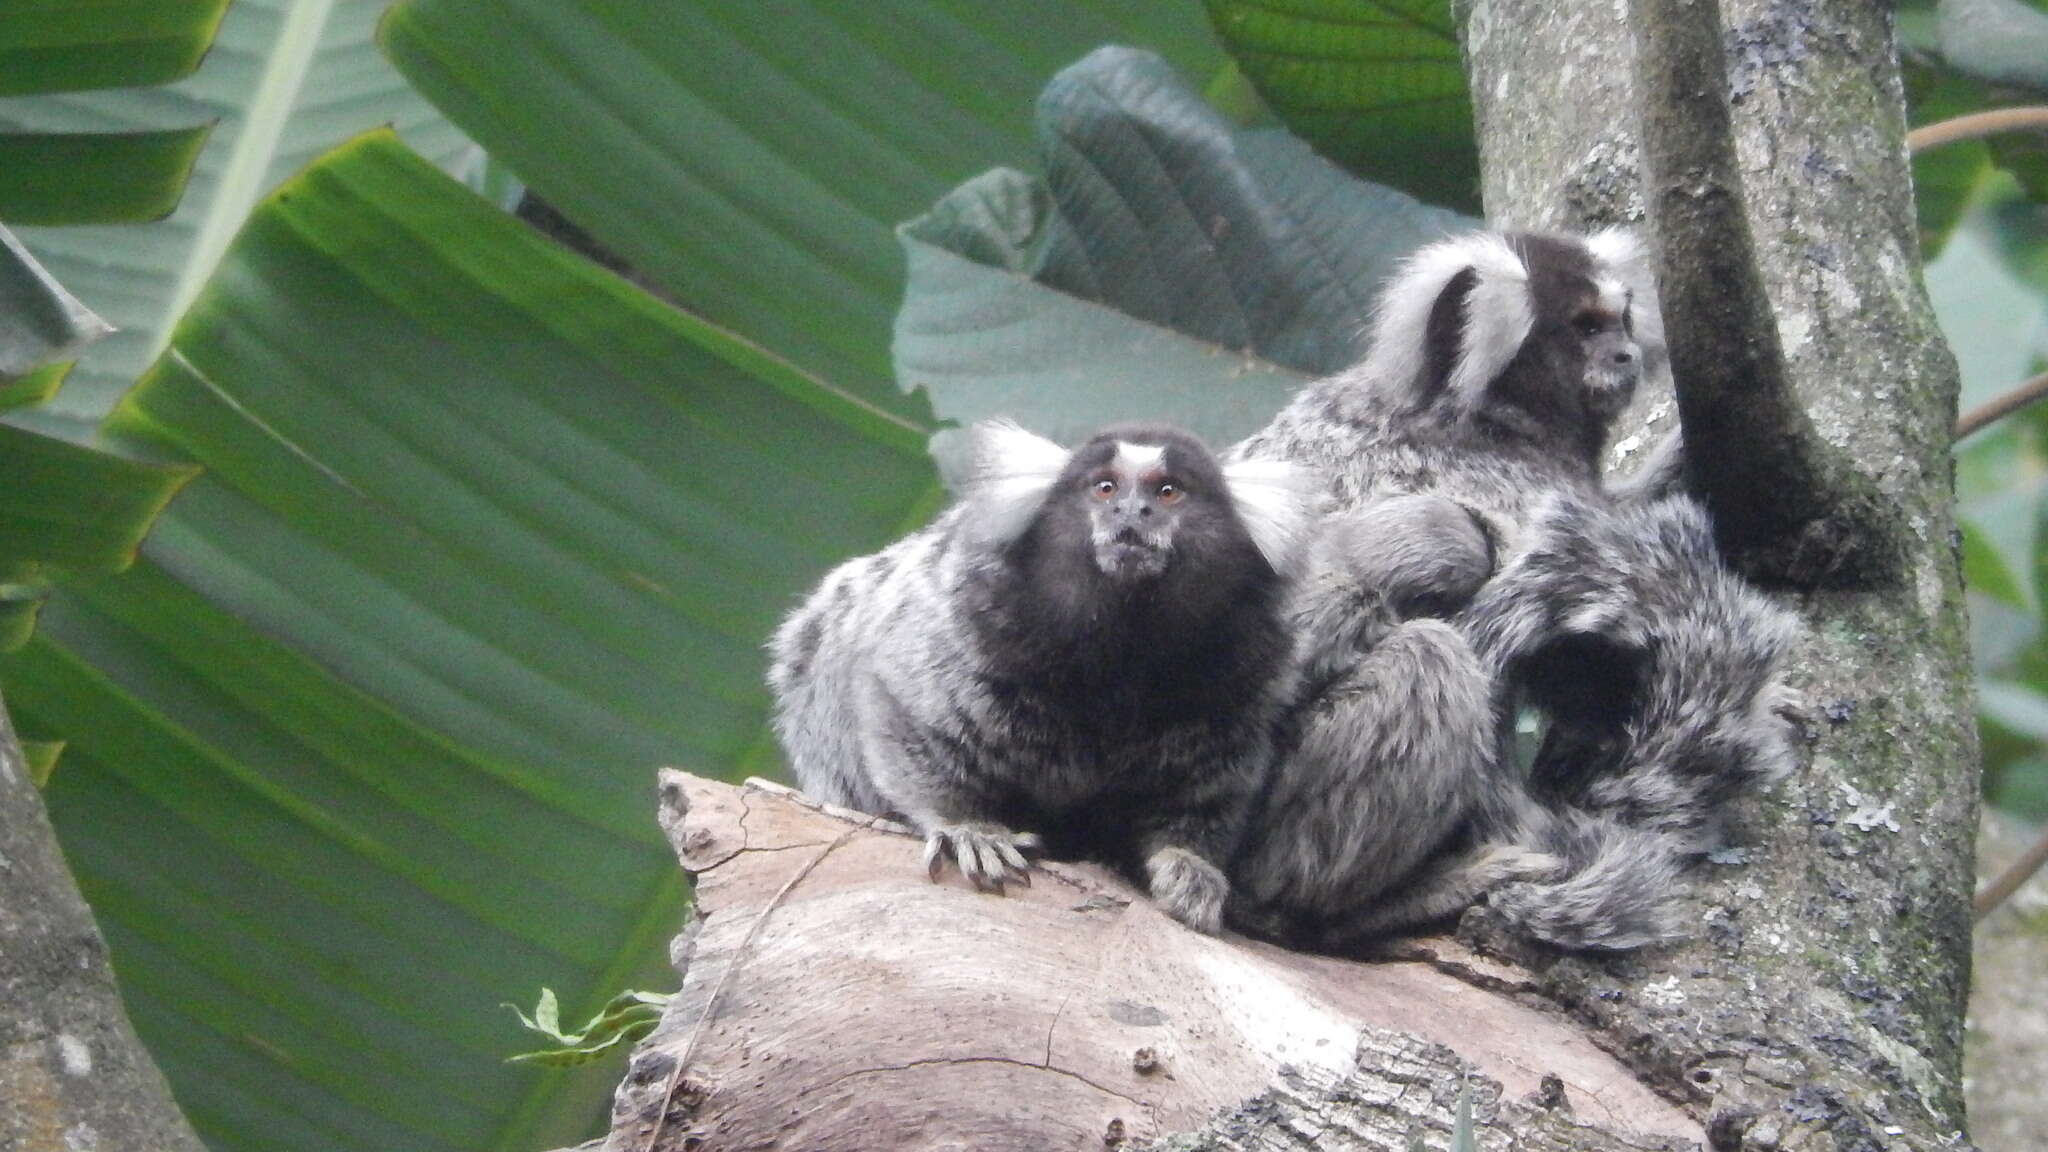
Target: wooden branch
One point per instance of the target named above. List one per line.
(2001, 887)
(1999, 407)
(1787, 507)
(1977, 126)
(876, 1009)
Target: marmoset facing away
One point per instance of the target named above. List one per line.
(1085, 654)
(1498, 366)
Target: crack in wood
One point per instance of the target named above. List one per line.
(954, 1061)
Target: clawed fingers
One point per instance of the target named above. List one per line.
(987, 855)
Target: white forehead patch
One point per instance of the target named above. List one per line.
(1613, 295)
(1136, 458)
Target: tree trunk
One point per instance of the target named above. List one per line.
(72, 1073)
(1819, 1004)
(1827, 992)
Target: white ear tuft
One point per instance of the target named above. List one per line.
(1007, 482)
(1498, 316)
(1277, 503)
(1621, 253)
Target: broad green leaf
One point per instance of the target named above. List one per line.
(68, 507)
(2039, 567)
(39, 321)
(1918, 27)
(2019, 708)
(1375, 85)
(364, 745)
(2013, 763)
(1986, 571)
(2019, 787)
(1986, 308)
(1946, 178)
(754, 158)
(2025, 155)
(32, 389)
(42, 756)
(64, 506)
(2020, 230)
(2004, 41)
(1167, 266)
(94, 178)
(66, 46)
(20, 605)
(284, 81)
(1944, 181)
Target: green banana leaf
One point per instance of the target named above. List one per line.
(1168, 266)
(65, 46)
(283, 81)
(54, 178)
(40, 323)
(79, 503)
(754, 158)
(364, 745)
(93, 175)
(1375, 85)
(65, 507)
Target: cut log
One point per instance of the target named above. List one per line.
(865, 1007)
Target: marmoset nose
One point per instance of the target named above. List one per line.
(1624, 356)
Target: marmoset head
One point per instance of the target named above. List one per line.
(1136, 500)
(1137, 489)
(1545, 334)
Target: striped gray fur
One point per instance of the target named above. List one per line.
(1084, 656)
(1498, 366)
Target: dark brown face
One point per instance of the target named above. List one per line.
(1582, 319)
(1138, 495)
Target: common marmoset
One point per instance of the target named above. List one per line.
(1498, 366)
(1085, 654)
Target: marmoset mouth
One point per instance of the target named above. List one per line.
(1128, 553)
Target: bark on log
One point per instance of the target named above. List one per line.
(73, 1075)
(876, 1009)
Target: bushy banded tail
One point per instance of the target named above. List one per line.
(1617, 889)
(1710, 717)
(1715, 720)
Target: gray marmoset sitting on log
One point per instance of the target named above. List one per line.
(1085, 654)
(1463, 459)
